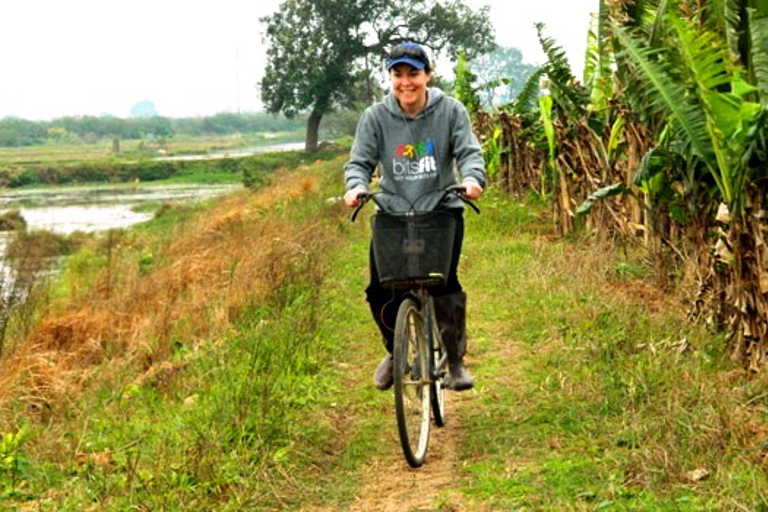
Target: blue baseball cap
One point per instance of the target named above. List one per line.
(408, 53)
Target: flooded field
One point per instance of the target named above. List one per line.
(67, 209)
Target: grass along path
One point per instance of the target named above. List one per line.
(232, 371)
(593, 392)
(489, 269)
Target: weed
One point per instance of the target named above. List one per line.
(13, 461)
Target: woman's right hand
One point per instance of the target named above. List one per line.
(352, 196)
(471, 189)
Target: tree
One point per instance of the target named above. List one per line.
(501, 75)
(143, 108)
(322, 51)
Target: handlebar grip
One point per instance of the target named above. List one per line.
(459, 191)
(364, 197)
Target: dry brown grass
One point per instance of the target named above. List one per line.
(227, 258)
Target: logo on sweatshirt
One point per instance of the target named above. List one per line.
(414, 161)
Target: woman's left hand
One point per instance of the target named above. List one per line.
(472, 190)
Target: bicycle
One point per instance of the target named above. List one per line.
(413, 252)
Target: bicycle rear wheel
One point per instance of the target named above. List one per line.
(439, 366)
(411, 383)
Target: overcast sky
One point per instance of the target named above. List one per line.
(190, 58)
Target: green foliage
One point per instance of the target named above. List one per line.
(464, 85)
(13, 461)
(705, 99)
(317, 32)
(328, 34)
(18, 132)
(588, 379)
(492, 151)
(600, 194)
(548, 179)
(341, 123)
(758, 64)
(527, 102)
(598, 61)
(145, 170)
(253, 178)
(251, 400)
(605, 403)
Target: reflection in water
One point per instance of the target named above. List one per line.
(87, 209)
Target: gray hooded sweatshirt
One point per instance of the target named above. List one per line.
(417, 154)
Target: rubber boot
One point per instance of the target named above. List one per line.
(451, 317)
(385, 319)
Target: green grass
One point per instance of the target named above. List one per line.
(613, 401)
(593, 391)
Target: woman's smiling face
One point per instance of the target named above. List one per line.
(410, 87)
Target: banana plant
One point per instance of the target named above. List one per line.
(704, 98)
(567, 93)
(548, 178)
(598, 60)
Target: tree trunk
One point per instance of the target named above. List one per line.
(313, 127)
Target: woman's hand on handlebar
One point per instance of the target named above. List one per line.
(471, 189)
(353, 196)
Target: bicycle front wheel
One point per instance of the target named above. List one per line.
(411, 382)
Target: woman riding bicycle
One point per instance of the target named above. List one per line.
(418, 137)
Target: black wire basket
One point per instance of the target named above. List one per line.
(413, 248)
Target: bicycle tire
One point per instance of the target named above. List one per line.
(411, 382)
(438, 364)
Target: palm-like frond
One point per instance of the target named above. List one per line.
(704, 56)
(558, 68)
(668, 96)
(758, 26)
(569, 95)
(528, 98)
(657, 28)
(599, 59)
(592, 54)
(726, 18)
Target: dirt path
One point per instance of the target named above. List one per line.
(390, 485)
(393, 486)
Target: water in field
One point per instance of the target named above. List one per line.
(97, 208)
(64, 210)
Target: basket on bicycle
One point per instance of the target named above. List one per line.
(413, 248)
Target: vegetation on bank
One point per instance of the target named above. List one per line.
(19, 133)
(219, 357)
(249, 169)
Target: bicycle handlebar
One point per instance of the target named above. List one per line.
(455, 190)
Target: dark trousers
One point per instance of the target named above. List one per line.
(384, 302)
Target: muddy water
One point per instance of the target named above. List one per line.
(88, 209)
